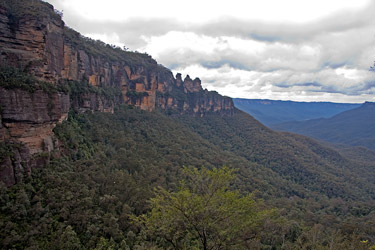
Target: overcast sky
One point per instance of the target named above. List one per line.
(316, 50)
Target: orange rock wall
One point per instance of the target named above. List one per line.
(43, 47)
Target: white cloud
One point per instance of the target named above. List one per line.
(107, 38)
(299, 50)
(340, 85)
(197, 11)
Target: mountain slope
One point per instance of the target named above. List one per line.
(46, 69)
(270, 112)
(296, 158)
(116, 125)
(290, 164)
(354, 127)
(92, 76)
(110, 164)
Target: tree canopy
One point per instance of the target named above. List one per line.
(204, 213)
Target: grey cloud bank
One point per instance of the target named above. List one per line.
(327, 58)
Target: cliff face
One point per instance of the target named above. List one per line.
(26, 121)
(188, 97)
(50, 51)
(30, 117)
(33, 38)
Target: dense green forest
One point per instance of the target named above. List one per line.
(161, 180)
(108, 167)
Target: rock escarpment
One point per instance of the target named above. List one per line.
(30, 117)
(40, 43)
(33, 38)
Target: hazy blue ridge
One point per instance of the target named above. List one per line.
(271, 112)
(354, 127)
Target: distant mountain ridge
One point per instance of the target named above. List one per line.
(89, 133)
(271, 112)
(354, 127)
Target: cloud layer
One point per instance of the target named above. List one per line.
(325, 59)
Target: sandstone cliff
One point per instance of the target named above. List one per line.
(33, 38)
(40, 43)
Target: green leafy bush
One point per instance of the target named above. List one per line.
(14, 78)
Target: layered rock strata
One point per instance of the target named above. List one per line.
(40, 44)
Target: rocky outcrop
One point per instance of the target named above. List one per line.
(30, 117)
(16, 161)
(191, 86)
(15, 165)
(32, 42)
(53, 52)
(188, 97)
(27, 121)
(93, 102)
(39, 43)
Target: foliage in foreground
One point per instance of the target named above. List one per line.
(203, 214)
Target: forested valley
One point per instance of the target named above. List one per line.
(104, 148)
(110, 164)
